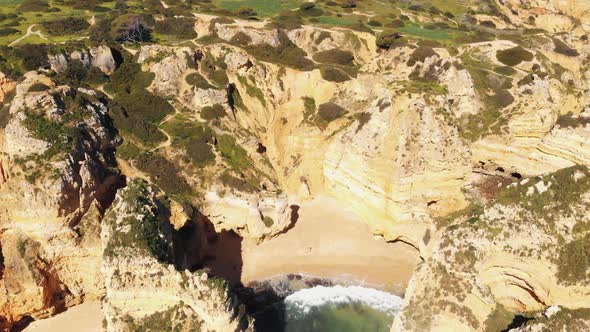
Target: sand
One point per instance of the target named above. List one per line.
(331, 241)
(85, 317)
(328, 241)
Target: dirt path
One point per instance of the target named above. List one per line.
(28, 33)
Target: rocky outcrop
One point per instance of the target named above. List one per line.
(6, 86)
(142, 289)
(101, 57)
(518, 254)
(57, 180)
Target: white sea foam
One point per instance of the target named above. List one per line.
(307, 299)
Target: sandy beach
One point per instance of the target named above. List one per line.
(330, 241)
(85, 317)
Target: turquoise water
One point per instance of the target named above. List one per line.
(340, 309)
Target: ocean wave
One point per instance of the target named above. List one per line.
(305, 300)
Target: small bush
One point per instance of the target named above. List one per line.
(387, 39)
(374, 23)
(198, 81)
(395, 24)
(236, 156)
(239, 184)
(199, 152)
(130, 28)
(65, 26)
(246, 12)
(310, 9)
(334, 74)
(176, 26)
(563, 48)
(145, 105)
(505, 70)
(34, 6)
(128, 150)
(422, 53)
(33, 56)
(574, 260)
(328, 112)
(309, 107)
(241, 39)
(209, 113)
(163, 173)
(37, 87)
(513, 56)
(501, 99)
(287, 53)
(335, 57)
(8, 31)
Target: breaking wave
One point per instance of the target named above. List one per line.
(303, 302)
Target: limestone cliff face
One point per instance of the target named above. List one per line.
(101, 57)
(142, 289)
(400, 155)
(516, 254)
(52, 200)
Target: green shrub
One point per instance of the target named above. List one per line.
(59, 134)
(176, 26)
(128, 150)
(334, 74)
(198, 81)
(335, 57)
(130, 28)
(422, 53)
(574, 260)
(8, 31)
(501, 99)
(34, 6)
(4, 117)
(236, 156)
(199, 152)
(505, 70)
(310, 9)
(129, 78)
(209, 113)
(513, 56)
(65, 26)
(286, 53)
(37, 87)
(499, 319)
(328, 112)
(322, 36)
(33, 56)
(239, 184)
(374, 23)
(563, 48)
(252, 90)
(395, 24)
(246, 12)
(146, 132)
(240, 39)
(288, 20)
(145, 105)
(73, 74)
(163, 173)
(387, 40)
(182, 130)
(569, 120)
(215, 70)
(309, 107)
